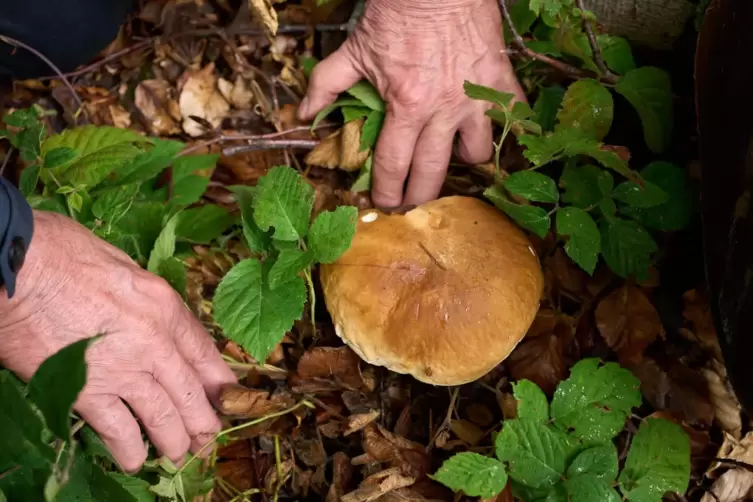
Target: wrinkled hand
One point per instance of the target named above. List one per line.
(155, 357)
(417, 54)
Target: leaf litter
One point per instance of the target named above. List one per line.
(194, 72)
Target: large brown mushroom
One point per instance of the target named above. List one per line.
(443, 292)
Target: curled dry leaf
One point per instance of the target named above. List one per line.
(340, 364)
(732, 486)
(237, 400)
(340, 149)
(238, 93)
(156, 102)
(377, 485)
(383, 446)
(265, 13)
(628, 322)
(200, 97)
(701, 325)
(309, 451)
(727, 411)
(239, 473)
(342, 476)
(733, 449)
(360, 420)
(479, 414)
(467, 431)
(540, 360)
(120, 116)
(276, 475)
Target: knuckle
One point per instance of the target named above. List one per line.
(133, 460)
(162, 417)
(409, 97)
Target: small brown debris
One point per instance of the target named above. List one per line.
(237, 400)
(340, 149)
(340, 364)
(199, 97)
(156, 102)
(540, 360)
(358, 421)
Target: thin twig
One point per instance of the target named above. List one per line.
(595, 49)
(17, 43)
(8, 155)
(565, 68)
(270, 144)
(254, 137)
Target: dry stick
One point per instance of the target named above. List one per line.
(565, 68)
(17, 43)
(598, 59)
(270, 144)
(251, 138)
(8, 155)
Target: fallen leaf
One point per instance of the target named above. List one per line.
(238, 94)
(155, 101)
(507, 404)
(265, 13)
(237, 400)
(278, 474)
(287, 116)
(342, 476)
(701, 324)
(733, 449)
(309, 451)
(540, 360)
(120, 116)
(479, 414)
(200, 97)
(359, 421)
(628, 322)
(340, 149)
(467, 431)
(385, 447)
(340, 364)
(732, 486)
(239, 473)
(563, 275)
(727, 411)
(378, 485)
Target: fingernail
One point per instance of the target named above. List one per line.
(303, 108)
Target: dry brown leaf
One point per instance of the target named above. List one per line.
(564, 275)
(200, 97)
(342, 476)
(309, 451)
(507, 404)
(238, 94)
(276, 475)
(702, 331)
(732, 486)
(155, 101)
(265, 13)
(383, 446)
(340, 364)
(340, 149)
(238, 400)
(733, 449)
(727, 410)
(360, 420)
(540, 360)
(378, 485)
(479, 414)
(628, 322)
(120, 116)
(467, 431)
(239, 473)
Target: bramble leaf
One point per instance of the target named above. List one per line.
(340, 103)
(87, 481)
(532, 186)
(368, 95)
(251, 313)
(585, 185)
(27, 182)
(547, 105)
(483, 93)
(283, 200)
(112, 203)
(595, 400)
(203, 224)
(584, 242)
(56, 384)
(332, 233)
(355, 112)
(675, 213)
(532, 402)
(649, 90)
(632, 194)
(587, 106)
(288, 265)
(164, 246)
(148, 165)
(600, 461)
(474, 474)
(363, 182)
(590, 488)
(616, 53)
(627, 248)
(522, 18)
(532, 218)
(256, 239)
(371, 128)
(658, 462)
(173, 271)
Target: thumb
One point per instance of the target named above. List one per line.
(334, 75)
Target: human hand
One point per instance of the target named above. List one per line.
(418, 54)
(155, 355)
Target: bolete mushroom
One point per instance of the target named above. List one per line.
(443, 292)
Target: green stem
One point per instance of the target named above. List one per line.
(312, 297)
(278, 464)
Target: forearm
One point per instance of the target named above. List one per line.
(16, 230)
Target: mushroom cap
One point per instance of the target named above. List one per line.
(443, 292)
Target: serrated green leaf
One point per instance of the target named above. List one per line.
(595, 400)
(616, 53)
(584, 241)
(590, 488)
(186, 191)
(23, 117)
(287, 266)
(363, 182)
(649, 90)
(332, 233)
(138, 229)
(186, 485)
(368, 95)
(174, 272)
(627, 248)
(648, 195)
(58, 156)
(522, 18)
(532, 186)
(587, 106)
(371, 128)
(307, 64)
(112, 203)
(547, 105)
(675, 213)
(252, 314)
(27, 183)
(137, 487)
(283, 200)
(532, 218)
(474, 474)
(203, 224)
(340, 103)
(57, 383)
(536, 454)
(658, 462)
(355, 112)
(585, 185)
(483, 93)
(550, 7)
(600, 461)
(194, 165)
(256, 239)
(164, 246)
(88, 482)
(146, 166)
(532, 402)
(607, 208)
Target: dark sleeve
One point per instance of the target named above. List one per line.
(16, 229)
(68, 32)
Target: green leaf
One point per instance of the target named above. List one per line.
(550, 7)
(355, 112)
(58, 156)
(332, 233)
(585, 185)
(138, 229)
(474, 474)
(56, 384)
(164, 246)
(340, 103)
(203, 224)
(173, 271)
(283, 200)
(675, 213)
(27, 183)
(616, 53)
(595, 400)
(532, 218)
(368, 95)
(590, 488)
(256, 239)
(146, 166)
(522, 18)
(532, 402)
(483, 93)
(658, 462)
(137, 487)
(371, 128)
(587, 106)
(536, 453)
(252, 314)
(88, 482)
(194, 165)
(112, 203)
(186, 191)
(600, 461)
(532, 186)
(307, 64)
(363, 182)
(547, 105)
(288, 265)
(649, 90)
(584, 242)
(632, 194)
(627, 248)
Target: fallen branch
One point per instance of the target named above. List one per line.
(595, 49)
(249, 138)
(270, 144)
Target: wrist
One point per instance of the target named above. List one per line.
(16, 230)
(427, 7)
